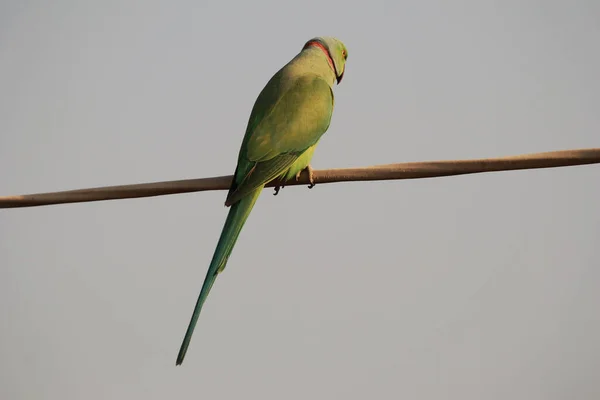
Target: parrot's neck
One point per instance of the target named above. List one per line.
(315, 60)
(324, 50)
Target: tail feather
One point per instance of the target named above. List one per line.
(238, 213)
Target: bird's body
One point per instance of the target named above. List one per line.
(288, 118)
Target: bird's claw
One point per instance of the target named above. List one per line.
(311, 176)
(278, 187)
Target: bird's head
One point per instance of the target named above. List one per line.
(336, 53)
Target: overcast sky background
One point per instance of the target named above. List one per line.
(472, 287)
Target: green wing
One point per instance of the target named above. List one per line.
(278, 133)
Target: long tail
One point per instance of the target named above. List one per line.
(238, 213)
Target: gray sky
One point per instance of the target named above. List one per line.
(470, 287)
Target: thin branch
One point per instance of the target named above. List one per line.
(414, 170)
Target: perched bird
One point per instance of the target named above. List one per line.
(289, 117)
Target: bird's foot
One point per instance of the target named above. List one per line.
(280, 185)
(311, 176)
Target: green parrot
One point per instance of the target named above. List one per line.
(289, 117)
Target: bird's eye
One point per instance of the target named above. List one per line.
(344, 54)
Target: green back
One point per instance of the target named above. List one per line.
(289, 116)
